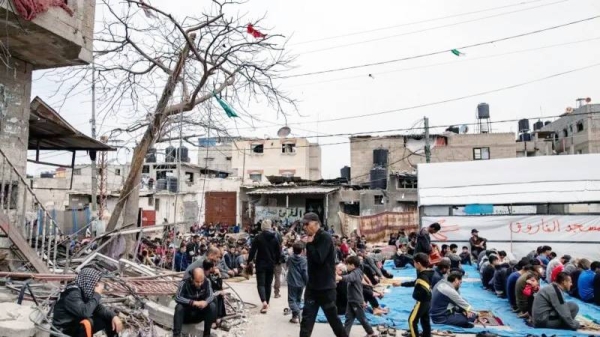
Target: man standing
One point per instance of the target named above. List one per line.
(550, 310)
(478, 244)
(424, 240)
(321, 287)
(194, 303)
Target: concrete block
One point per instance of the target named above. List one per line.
(163, 316)
(15, 322)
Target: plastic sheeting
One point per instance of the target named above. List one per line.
(546, 179)
(399, 301)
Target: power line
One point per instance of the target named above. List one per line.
(442, 51)
(413, 23)
(458, 98)
(430, 28)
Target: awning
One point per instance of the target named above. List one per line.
(49, 131)
(294, 190)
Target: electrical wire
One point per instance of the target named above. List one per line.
(429, 29)
(412, 23)
(442, 51)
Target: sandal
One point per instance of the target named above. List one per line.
(264, 309)
(391, 332)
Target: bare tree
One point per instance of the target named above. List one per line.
(151, 66)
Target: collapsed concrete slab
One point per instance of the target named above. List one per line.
(163, 316)
(15, 321)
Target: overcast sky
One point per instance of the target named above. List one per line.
(335, 34)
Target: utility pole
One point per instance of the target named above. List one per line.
(427, 145)
(93, 122)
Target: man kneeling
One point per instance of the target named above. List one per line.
(194, 303)
(550, 310)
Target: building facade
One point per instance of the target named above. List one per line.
(256, 159)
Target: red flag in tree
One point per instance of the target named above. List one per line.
(252, 31)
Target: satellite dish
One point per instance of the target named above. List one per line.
(284, 132)
(587, 100)
(464, 129)
(569, 109)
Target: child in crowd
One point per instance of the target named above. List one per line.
(531, 288)
(422, 294)
(465, 256)
(297, 277)
(356, 301)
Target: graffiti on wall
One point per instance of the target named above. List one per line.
(283, 214)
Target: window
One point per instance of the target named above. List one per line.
(77, 172)
(145, 169)
(579, 152)
(151, 200)
(378, 199)
(228, 158)
(481, 153)
(579, 126)
(565, 133)
(288, 148)
(189, 177)
(407, 183)
(117, 172)
(157, 204)
(258, 148)
(256, 177)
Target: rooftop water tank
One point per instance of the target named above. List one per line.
(524, 125)
(345, 172)
(161, 184)
(453, 129)
(170, 154)
(538, 125)
(172, 184)
(380, 157)
(378, 178)
(151, 155)
(182, 154)
(483, 111)
(525, 137)
(547, 122)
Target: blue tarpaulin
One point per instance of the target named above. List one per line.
(399, 301)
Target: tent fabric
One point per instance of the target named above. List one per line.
(544, 179)
(399, 301)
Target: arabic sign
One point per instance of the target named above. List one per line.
(521, 234)
(279, 213)
(378, 227)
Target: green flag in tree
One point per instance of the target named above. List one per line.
(228, 110)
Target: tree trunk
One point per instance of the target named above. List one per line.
(152, 132)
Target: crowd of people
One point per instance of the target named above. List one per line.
(339, 275)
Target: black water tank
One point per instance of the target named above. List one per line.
(523, 125)
(380, 157)
(47, 175)
(161, 184)
(172, 184)
(151, 155)
(538, 125)
(483, 111)
(453, 129)
(170, 154)
(525, 137)
(182, 154)
(345, 172)
(378, 178)
(547, 122)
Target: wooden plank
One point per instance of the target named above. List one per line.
(14, 234)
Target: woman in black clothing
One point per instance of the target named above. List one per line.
(266, 251)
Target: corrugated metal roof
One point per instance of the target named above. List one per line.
(535, 180)
(294, 190)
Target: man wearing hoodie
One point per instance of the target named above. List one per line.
(448, 306)
(297, 277)
(422, 294)
(266, 251)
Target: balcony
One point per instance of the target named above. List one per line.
(52, 39)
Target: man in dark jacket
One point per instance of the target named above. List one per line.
(440, 272)
(78, 311)
(422, 294)
(266, 251)
(500, 278)
(424, 240)
(195, 303)
(321, 288)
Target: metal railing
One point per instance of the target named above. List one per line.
(27, 217)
